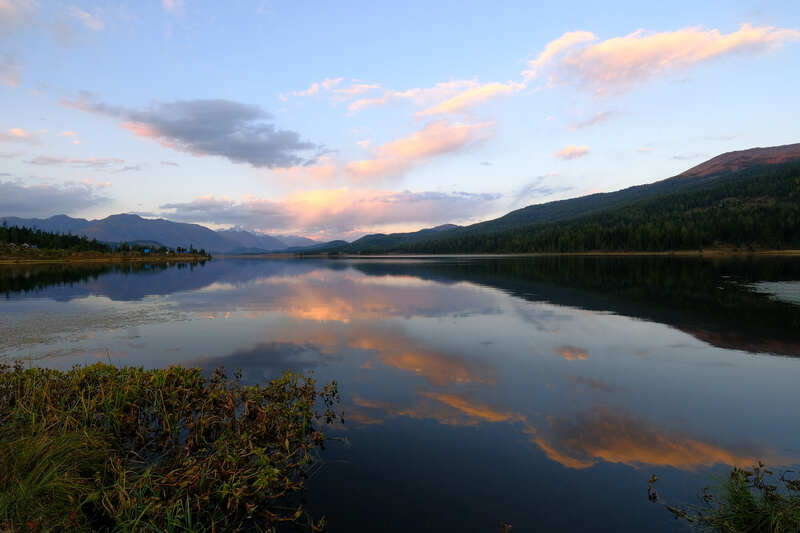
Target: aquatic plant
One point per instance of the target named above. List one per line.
(747, 501)
(128, 449)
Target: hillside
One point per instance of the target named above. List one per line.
(714, 189)
(740, 159)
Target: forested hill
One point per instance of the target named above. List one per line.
(755, 207)
(16, 236)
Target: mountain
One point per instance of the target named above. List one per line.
(254, 241)
(55, 224)
(294, 240)
(570, 225)
(732, 161)
(133, 228)
(128, 228)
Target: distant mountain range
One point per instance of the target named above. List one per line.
(133, 228)
(748, 197)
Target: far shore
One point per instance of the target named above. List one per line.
(721, 253)
(102, 259)
(680, 253)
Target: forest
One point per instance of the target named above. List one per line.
(49, 241)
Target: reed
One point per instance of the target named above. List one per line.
(128, 449)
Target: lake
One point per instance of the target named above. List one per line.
(539, 391)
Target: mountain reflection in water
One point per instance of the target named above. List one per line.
(541, 391)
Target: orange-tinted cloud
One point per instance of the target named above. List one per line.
(436, 138)
(470, 97)
(20, 135)
(571, 152)
(616, 64)
(572, 353)
(614, 436)
(554, 48)
(336, 213)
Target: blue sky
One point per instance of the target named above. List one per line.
(338, 119)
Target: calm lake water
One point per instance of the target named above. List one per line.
(539, 391)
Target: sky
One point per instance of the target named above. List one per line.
(337, 119)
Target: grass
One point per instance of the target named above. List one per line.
(101, 448)
(748, 501)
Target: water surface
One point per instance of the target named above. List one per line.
(539, 391)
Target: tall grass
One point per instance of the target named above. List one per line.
(127, 449)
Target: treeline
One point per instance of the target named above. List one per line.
(760, 209)
(49, 241)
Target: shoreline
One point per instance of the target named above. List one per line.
(183, 259)
(674, 253)
(116, 259)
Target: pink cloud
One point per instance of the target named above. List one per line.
(337, 213)
(355, 90)
(315, 88)
(421, 96)
(471, 97)
(553, 48)
(617, 64)
(571, 152)
(436, 138)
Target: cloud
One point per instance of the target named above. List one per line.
(554, 48)
(615, 65)
(172, 6)
(20, 135)
(536, 189)
(238, 132)
(643, 150)
(419, 96)
(130, 168)
(436, 138)
(686, 157)
(614, 436)
(571, 152)
(72, 135)
(315, 88)
(470, 97)
(354, 90)
(572, 353)
(93, 22)
(14, 14)
(169, 164)
(17, 199)
(92, 163)
(336, 213)
(594, 120)
(10, 69)
(9, 155)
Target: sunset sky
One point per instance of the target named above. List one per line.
(336, 119)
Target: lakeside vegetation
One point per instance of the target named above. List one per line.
(755, 500)
(101, 448)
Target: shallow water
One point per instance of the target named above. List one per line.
(539, 391)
